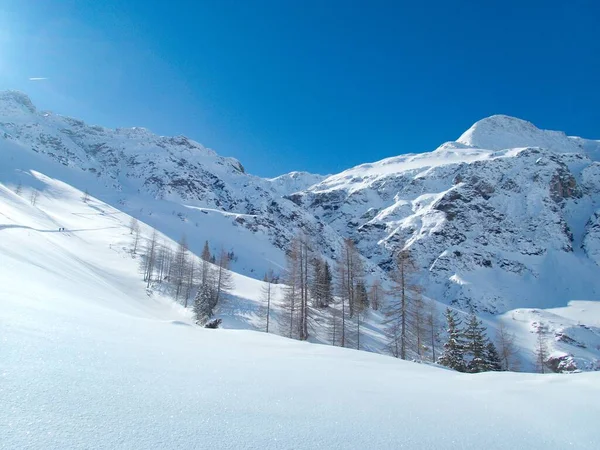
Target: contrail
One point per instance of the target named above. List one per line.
(37, 78)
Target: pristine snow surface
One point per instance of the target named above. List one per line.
(90, 359)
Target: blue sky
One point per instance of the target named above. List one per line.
(307, 85)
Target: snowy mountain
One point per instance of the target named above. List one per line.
(153, 177)
(90, 358)
(506, 220)
(505, 217)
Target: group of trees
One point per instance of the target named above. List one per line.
(468, 349)
(334, 301)
(205, 281)
(411, 324)
(319, 298)
(214, 281)
(313, 299)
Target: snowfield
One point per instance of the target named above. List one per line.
(90, 359)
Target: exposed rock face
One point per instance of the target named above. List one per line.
(493, 229)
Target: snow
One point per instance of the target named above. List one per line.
(90, 358)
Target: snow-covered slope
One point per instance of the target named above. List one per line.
(159, 178)
(91, 359)
(504, 219)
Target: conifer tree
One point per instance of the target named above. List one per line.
(475, 345)
(206, 256)
(453, 354)
(203, 309)
(492, 358)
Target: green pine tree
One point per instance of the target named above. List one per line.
(203, 304)
(492, 357)
(453, 354)
(475, 345)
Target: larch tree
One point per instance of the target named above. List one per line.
(304, 256)
(507, 350)
(433, 326)
(191, 275)
(150, 257)
(350, 271)
(266, 297)
(541, 351)
(163, 261)
(136, 238)
(288, 322)
(223, 280)
(361, 306)
(403, 294)
(133, 225)
(376, 295)
(418, 322)
(179, 268)
(34, 196)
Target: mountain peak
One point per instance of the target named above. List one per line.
(16, 101)
(500, 132)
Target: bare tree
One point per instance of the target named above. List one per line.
(190, 278)
(541, 350)
(304, 253)
(418, 322)
(136, 238)
(376, 295)
(291, 294)
(349, 272)
(403, 293)
(266, 294)
(85, 196)
(507, 350)
(19, 188)
(179, 268)
(223, 278)
(163, 261)
(133, 225)
(34, 197)
(149, 260)
(361, 306)
(433, 326)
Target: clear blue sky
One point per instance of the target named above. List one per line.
(307, 85)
